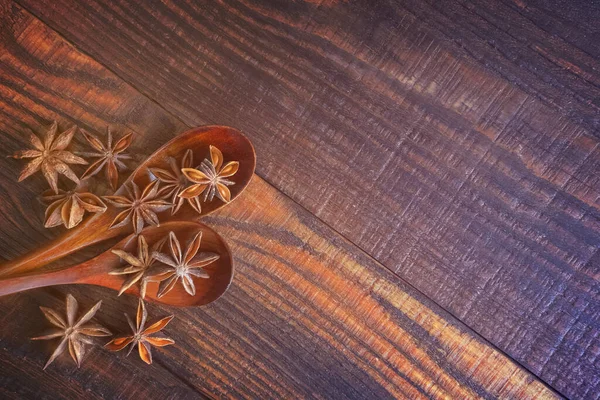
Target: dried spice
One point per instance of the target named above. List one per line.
(50, 156)
(209, 178)
(139, 267)
(109, 155)
(74, 333)
(173, 182)
(183, 266)
(141, 336)
(140, 207)
(68, 208)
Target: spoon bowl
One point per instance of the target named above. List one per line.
(96, 270)
(232, 143)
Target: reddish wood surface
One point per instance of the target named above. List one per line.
(450, 147)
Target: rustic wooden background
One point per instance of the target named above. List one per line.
(425, 217)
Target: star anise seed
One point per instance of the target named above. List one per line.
(141, 335)
(209, 178)
(68, 208)
(74, 333)
(140, 207)
(139, 266)
(183, 266)
(50, 156)
(108, 155)
(173, 182)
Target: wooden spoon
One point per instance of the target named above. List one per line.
(95, 271)
(232, 143)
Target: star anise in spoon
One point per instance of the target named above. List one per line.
(50, 156)
(68, 207)
(75, 334)
(183, 266)
(139, 266)
(141, 335)
(209, 178)
(140, 207)
(109, 155)
(173, 182)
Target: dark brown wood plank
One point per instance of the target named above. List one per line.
(550, 50)
(308, 316)
(476, 181)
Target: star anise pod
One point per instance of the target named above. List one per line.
(183, 266)
(67, 208)
(74, 333)
(139, 266)
(173, 182)
(209, 178)
(109, 156)
(50, 156)
(140, 207)
(141, 336)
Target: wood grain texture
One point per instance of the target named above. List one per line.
(309, 314)
(548, 49)
(454, 142)
(104, 376)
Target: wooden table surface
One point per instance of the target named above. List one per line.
(424, 221)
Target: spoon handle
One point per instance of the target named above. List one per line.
(90, 232)
(81, 273)
(22, 283)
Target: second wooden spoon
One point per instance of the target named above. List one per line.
(96, 271)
